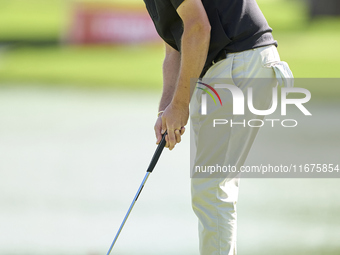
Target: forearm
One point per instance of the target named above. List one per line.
(195, 44)
(171, 66)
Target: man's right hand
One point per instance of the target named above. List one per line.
(158, 132)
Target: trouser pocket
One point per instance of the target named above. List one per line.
(271, 59)
(283, 74)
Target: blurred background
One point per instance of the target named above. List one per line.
(79, 88)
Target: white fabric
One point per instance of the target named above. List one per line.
(214, 199)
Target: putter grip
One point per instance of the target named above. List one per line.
(157, 154)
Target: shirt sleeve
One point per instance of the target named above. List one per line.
(176, 3)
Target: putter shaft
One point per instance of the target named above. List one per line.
(129, 211)
(152, 165)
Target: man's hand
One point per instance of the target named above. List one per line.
(159, 130)
(174, 118)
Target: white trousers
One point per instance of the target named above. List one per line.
(214, 199)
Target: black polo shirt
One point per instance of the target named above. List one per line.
(236, 25)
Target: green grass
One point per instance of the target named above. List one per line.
(121, 67)
(285, 15)
(33, 19)
(40, 19)
(309, 54)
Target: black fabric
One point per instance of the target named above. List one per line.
(236, 25)
(176, 3)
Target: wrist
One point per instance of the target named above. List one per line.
(181, 97)
(180, 103)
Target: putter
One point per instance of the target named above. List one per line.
(152, 165)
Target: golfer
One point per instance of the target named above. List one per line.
(214, 39)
